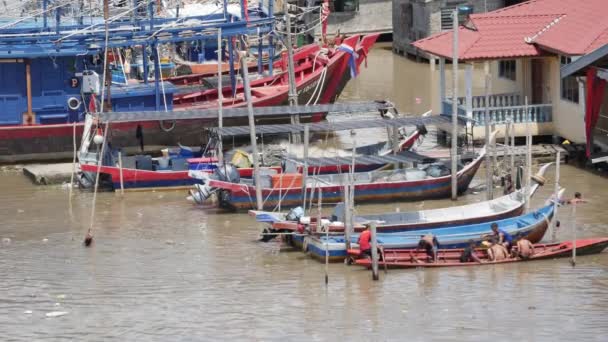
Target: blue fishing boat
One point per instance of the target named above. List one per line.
(55, 59)
(532, 226)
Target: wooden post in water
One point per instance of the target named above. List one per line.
(454, 150)
(347, 216)
(122, 184)
(486, 121)
(252, 135)
(556, 200)
(107, 73)
(319, 225)
(293, 94)
(305, 166)
(73, 157)
(512, 164)
(528, 154)
(574, 229)
(220, 98)
(374, 244)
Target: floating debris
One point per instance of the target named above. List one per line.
(6, 241)
(56, 313)
(27, 312)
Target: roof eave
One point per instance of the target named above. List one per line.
(584, 62)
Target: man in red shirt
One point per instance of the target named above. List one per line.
(364, 242)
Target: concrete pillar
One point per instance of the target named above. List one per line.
(582, 95)
(441, 83)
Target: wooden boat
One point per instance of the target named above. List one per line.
(532, 226)
(184, 171)
(451, 257)
(320, 78)
(499, 208)
(323, 77)
(369, 187)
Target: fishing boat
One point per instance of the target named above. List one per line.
(181, 168)
(393, 258)
(532, 226)
(395, 185)
(322, 74)
(56, 78)
(496, 209)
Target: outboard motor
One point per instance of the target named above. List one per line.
(202, 192)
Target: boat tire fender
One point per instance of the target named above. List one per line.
(162, 126)
(74, 103)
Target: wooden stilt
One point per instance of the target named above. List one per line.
(374, 244)
(252, 135)
(122, 184)
(556, 201)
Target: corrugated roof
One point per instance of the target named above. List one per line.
(570, 27)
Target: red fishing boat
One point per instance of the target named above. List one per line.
(396, 258)
(181, 171)
(321, 75)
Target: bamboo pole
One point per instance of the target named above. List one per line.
(220, 97)
(512, 161)
(305, 166)
(374, 239)
(556, 201)
(347, 214)
(454, 151)
(486, 120)
(122, 184)
(107, 73)
(574, 229)
(73, 157)
(252, 135)
(528, 154)
(293, 94)
(319, 202)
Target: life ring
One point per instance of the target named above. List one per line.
(74, 103)
(162, 126)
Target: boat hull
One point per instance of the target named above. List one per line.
(241, 197)
(450, 258)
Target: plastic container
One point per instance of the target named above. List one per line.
(163, 162)
(287, 180)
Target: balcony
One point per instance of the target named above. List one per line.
(504, 108)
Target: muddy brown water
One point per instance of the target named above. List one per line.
(163, 270)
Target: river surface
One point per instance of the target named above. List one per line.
(163, 270)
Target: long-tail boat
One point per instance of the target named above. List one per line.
(394, 258)
(499, 208)
(532, 226)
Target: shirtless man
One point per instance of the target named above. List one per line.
(497, 252)
(429, 243)
(525, 249)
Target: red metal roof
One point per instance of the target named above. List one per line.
(569, 27)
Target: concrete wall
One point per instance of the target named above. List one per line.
(374, 16)
(568, 117)
(417, 19)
